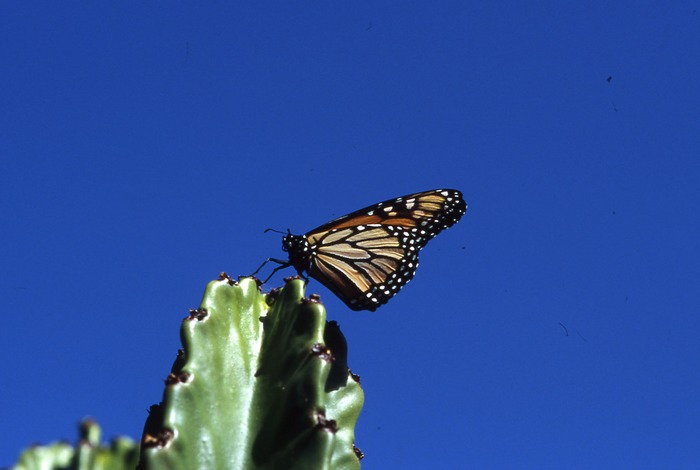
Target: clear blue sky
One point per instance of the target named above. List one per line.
(144, 147)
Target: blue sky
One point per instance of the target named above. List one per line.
(145, 146)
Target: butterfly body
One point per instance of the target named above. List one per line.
(300, 252)
(367, 256)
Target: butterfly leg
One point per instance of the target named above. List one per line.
(267, 261)
(282, 266)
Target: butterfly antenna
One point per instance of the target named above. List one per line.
(276, 231)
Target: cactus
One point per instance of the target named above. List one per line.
(256, 387)
(260, 383)
(122, 454)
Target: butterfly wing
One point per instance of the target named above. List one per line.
(367, 256)
(432, 211)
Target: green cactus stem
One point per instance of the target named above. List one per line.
(121, 454)
(256, 387)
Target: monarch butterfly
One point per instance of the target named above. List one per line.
(367, 256)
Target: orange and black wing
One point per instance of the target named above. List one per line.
(367, 256)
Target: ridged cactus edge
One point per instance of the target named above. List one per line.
(256, 386)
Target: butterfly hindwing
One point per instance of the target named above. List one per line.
(366, 265)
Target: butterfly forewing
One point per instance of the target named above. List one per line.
(437, 209)
(367, 256)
